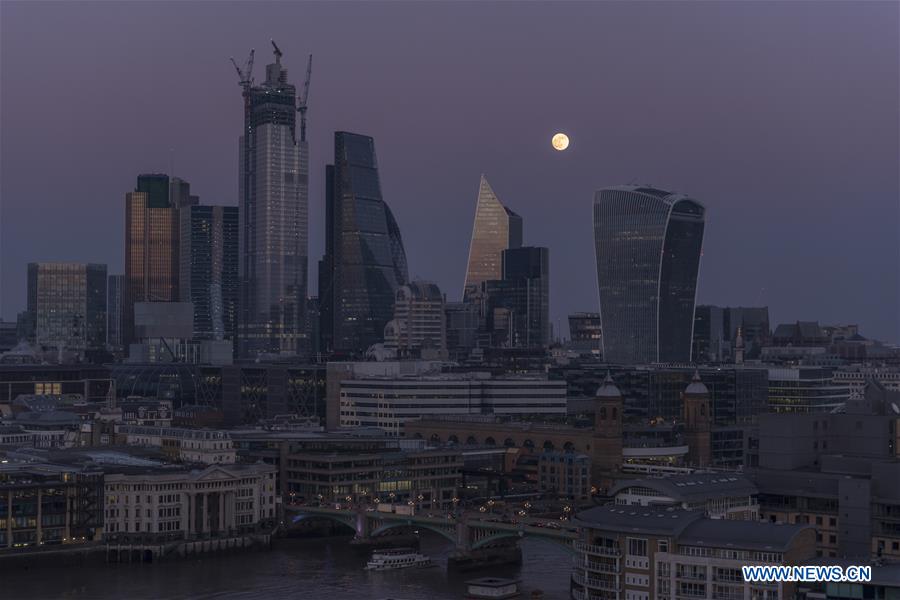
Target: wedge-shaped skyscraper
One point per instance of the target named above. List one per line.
(496, 229)
(648, 243)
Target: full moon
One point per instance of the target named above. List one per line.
(560, 141)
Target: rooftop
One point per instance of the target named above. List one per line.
(694, 486)
(629, 519)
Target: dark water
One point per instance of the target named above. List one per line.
(307, 569)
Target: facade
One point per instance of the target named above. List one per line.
(274, 206)
(151, 244)
(389, 403)
(647, 553)
(805, 389)
(67, 305)
(419, 327)
(648, 245)
(463, 321)
(208, 279)
(839, 471)
(203, 446)
(331, 467)
(496, 228)
(565, 473)
(364, 262)
(717, 495)
(115, 311)
(517, 307)
(45, 506)
(856, 379)
(586, 334)
(153, 504)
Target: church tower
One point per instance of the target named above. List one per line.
(606, 455)
(697, 417)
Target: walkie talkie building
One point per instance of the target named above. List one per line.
(648, 245)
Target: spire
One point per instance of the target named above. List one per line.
(696, 387)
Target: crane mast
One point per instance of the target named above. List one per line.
(302, 106)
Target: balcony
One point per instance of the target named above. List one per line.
(593, 582)
(597, 567)
(598, 550)
(588, 595)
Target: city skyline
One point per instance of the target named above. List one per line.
(780, 233)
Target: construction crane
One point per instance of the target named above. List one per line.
(245, 75)
(277, 51)
(301, 106)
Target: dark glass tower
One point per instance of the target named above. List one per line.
(67, 304)
(115, 289)
(209, 268)
(648, 245)
(364, 261)
(274, 173)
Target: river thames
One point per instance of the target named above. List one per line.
(293, 568)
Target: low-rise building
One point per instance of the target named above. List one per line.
(665, 554)
(717, 495)
(565, 473)
(204, 446)
(171, 502)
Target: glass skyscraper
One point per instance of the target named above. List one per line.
(364, 261)
(67, 304)
(151, 245)
(648, 245)
(274, 199)
(115, 302)
(496, 229)
(209, 269)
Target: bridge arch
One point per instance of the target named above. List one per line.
(528, 444)
(490, 441)
(471, 441)
(453, 439)
(435, 438)
(509, 443)
(397, 524)
(349, 521)
(548, 446)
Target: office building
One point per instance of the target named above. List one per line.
(67, 304)
(389, 402)
(648, 244)
(463, 321)
(496, 228)
(565, 474)
(151, 244)
(666, 554)
(9, 335)
(364, 262)
(585, 334)
(805, 389)
(115, 311)
(274, 206)
(517, 307)
(208, 277)
(839, 471)
(418, 329)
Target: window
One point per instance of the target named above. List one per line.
(662, 546)
(637, 547)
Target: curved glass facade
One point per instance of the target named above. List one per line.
(366, 250)
(648, 245)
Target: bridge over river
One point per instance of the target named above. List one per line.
(470, 532)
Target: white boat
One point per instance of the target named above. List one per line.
(397, 558)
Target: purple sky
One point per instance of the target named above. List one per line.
(781, 117)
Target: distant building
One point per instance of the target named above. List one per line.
(644, 553)
(496, 228)
(202, 446)
(208, 276)
(805, 389)
(67, 304)
(162, 503)
(364, 262)
(839, 471)
(151, 243)
(418, 329)
(801, 333)
(274, 213)
(565, 473)
(648, 245)
(115, 311)
(586, 334)
(519, 305)
(388, 403)
(9, 335)
(716, 330)
(717, 495)
(463, 321)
